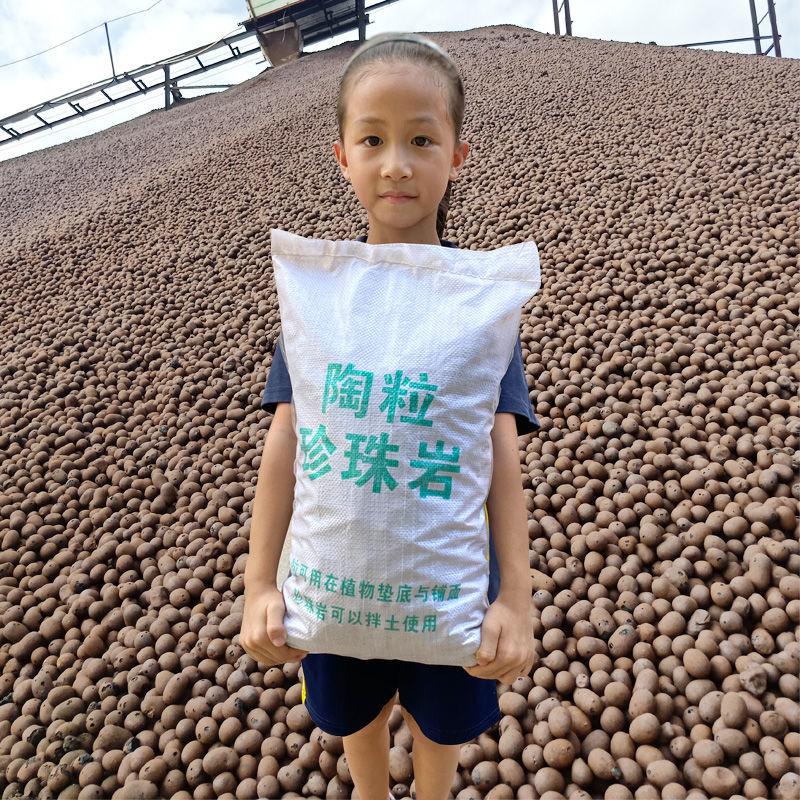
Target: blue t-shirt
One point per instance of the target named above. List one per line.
(514, 398)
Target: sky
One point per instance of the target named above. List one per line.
(151, 30)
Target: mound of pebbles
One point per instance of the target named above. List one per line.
(139, 319)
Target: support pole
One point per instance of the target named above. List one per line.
(110, 54)
(567, 20)
(166, 86)
(362, 25)
(754, 20)
(555, 18)
(776, 39)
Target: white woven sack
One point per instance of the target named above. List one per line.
(395, 354)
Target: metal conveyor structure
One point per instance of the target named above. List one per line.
(315, 20)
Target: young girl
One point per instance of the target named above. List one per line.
(401, 105)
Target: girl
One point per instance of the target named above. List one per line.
(400, 109)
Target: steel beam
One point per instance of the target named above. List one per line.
(773, 23)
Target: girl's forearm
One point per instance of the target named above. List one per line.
(272, 509)
(508, 518)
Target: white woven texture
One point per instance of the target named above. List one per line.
(395, 353)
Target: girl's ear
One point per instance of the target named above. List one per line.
(459, 157)
(341, 158)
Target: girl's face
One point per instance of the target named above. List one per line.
(399, 151)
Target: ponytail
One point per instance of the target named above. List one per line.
(444, 207)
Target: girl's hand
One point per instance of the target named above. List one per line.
(263, 636)
(506, 651)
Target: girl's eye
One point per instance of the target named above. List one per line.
(421, 140)
(372, 141)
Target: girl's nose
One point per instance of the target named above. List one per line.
(396, 164)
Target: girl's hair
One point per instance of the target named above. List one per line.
(391, 48)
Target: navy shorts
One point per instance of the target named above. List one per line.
(343, 694)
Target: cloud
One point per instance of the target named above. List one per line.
(449, 16)
(171, 27)
(788, 14)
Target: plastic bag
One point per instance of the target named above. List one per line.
(395, 354)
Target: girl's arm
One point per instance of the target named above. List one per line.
(506, 650)
(508, 517)
(263, 636)
(272, 504)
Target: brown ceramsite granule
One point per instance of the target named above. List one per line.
(139, 317)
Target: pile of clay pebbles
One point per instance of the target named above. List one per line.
(139, 321)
